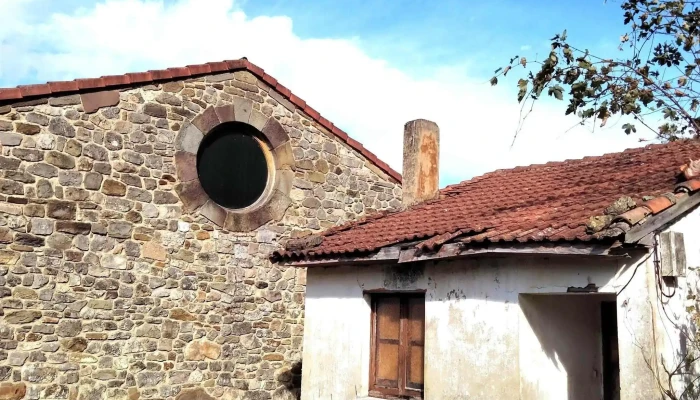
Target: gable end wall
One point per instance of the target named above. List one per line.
(110, 289)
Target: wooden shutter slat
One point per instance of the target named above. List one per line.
(388, 317)
(416, 320)
(416, 336)
(398, 330)
(415, 373)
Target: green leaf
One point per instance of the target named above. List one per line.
(557, 92)
(522, 89)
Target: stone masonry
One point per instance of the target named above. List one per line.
(110, 288)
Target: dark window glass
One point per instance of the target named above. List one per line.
(231, 165)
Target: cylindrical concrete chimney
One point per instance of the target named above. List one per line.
(421, 153)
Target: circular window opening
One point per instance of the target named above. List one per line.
(232, 166)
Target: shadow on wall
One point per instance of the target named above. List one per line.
(290, 379)
(568, 329)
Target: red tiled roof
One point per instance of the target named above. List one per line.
(30, 92)
(549, 202)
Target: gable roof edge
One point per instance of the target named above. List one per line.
(22, 93)
(665, 219)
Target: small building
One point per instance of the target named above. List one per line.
(569, 280)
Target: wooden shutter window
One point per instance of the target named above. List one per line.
(398, 328)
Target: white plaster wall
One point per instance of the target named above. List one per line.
(674, 329)
(473, 323)
(561, 346)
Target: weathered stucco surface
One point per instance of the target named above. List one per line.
(676, 324)
(474, 324)
(561, 346)
(110, 288)
(500, 328)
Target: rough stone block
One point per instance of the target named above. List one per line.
(60, 160)
(43, 170)
(189, 138)
(61, 126)
(65, 100)
(96, 100)
(213, 212)
(120, 229)
(10, 139)
(257, 120)
(39, 226)
(226, 113)
(7, 163)
(73, 147)
(11, 187)
(242, 108)
(27, 129)
(185, 166)
(275, 133)
(95, 152)
(63, 210)
(173, 87)
(283, 181)
(114, 261)
(155, 110)
(73, 227)
(167, 98)
(207, 120)
(22, 317)
(200, 350)
(154, 251)
(164, 197)
(284, 156)
(113, 188)
(17, 391)
(93, 181)
(194, 394)
(191, 194)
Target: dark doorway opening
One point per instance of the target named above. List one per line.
(611, 361)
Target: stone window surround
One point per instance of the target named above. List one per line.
(276, 144)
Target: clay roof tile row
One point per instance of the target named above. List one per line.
(548, 202)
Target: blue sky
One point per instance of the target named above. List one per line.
(422, 34)
(369, 66)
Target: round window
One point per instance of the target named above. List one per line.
(232, 165)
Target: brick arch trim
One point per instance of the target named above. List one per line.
(189, 189)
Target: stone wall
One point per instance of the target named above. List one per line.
(110, 289)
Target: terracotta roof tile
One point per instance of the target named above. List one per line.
(218, 66)
(180, 72)
(89, 83)
(658, 204)
(28, 92)
(690, 186)
(115, 80)
(62, 86)
(547, 202)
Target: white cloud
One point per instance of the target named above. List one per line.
(368, 97)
